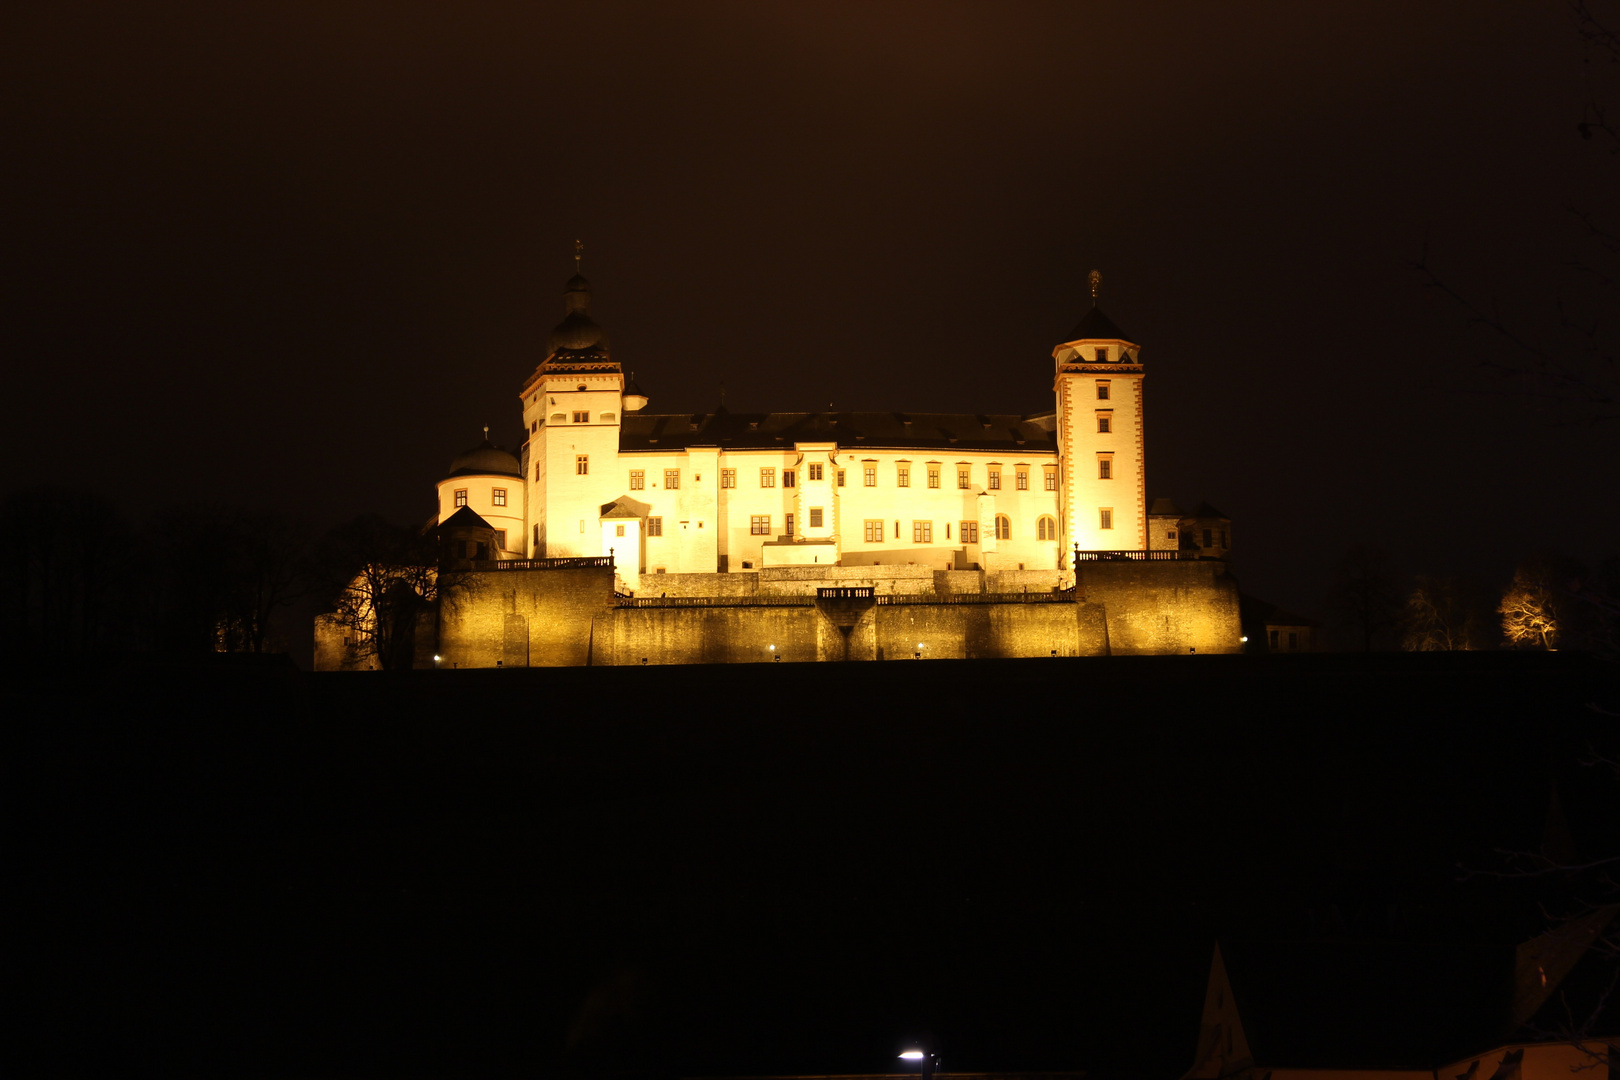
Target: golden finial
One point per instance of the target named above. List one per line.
(486, 433)
(579, 253)
(1095, 277)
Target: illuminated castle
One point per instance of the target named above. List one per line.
(712, 509)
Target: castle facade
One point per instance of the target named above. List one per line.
(615, 535)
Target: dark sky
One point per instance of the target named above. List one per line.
(297, 254)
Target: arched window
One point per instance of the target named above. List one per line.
(1046, 528)
(1003, 527)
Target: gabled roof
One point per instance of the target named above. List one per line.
(465, 518)
(1094, 324)
(618, 508)
(854, 431)
(1204, 510)
(1368, 1004)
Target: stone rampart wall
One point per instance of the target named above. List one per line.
(734, 635)
(1165, 608)
(523, 618)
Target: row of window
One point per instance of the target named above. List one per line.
(869, 474)
(497, 496)
(875, 530)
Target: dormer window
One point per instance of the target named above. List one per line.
(1102, 356)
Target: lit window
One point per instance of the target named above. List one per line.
(672, 478)
(964, 478)
(871, 475)
(638, 479)
(995, 480)
(767, 478)
(840, 477)
(581, 416)
(1105, 519)
(902, 476)
(461, 496)
(728, 478)
(1105, 420)
(789, 478)
(815, 472)
(497, 496)
(1050, 477)
(969, 532)
(933, 476)
(760, 525)
(1046, 528)
(618, 530)
(1102, 389)
(874, 532)
(582, 464)
(655, 526)
(922, 532)
(1105, 467)
(815, 517)
(1003, 527)
(1023, 480)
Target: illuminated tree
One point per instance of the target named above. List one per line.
(1531, 608)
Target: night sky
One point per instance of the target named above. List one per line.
(298, 254)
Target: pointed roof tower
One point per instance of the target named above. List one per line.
(1095, 339)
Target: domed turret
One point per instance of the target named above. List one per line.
(578, 332)
(485, 459)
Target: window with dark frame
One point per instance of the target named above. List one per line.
(759, 525)
(815, 471)
(461, 496)
(815, 517)
(655, 526)
(1046, 528)
(790, 478)
(497, 496)
(1105, 468)
(840, 477)
(672, 479)
(1023, 479)
(874, 531)
(1105, 422)
(582, 465)
(922, 532)
(767, 478)
(787, 524)
(1105, 518)
(1102, 389)
(871, 475)
(902, 476)
(1050, 478)
(1003, 527)
(995, 480)
(969, 532)
(638, 479)
(964, 478)
(933, 476)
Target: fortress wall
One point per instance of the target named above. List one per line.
(980, 631)
(698, 585)
(804, 580)
(1034, 581)
(1165, 608)
(535, 618)
(736, 635)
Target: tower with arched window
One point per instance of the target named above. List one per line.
(1102, 504)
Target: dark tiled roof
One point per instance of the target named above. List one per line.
(1096, 325)
(1368, 1004)
(1204, 510)
(1164, 508)
(465, 518)
(853, 431)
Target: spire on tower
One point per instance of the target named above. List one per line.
(1095, 277)
(579, 253)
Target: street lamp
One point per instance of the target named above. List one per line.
(929, 1060)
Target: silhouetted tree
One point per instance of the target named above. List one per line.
(379, 579)
(70, 574)
(1365, 595)
(1446, 614)
(221, 573)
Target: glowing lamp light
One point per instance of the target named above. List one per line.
(913, 1055)
(773, 648)
(1245, 638)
